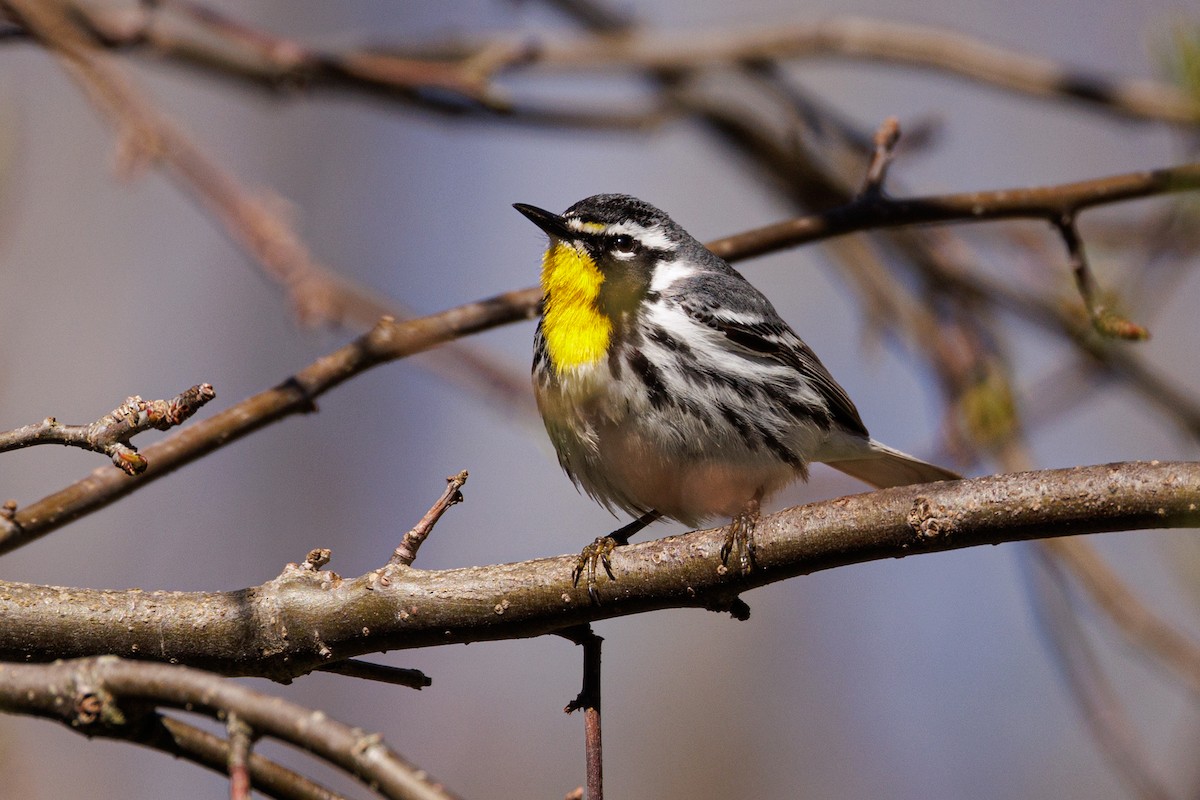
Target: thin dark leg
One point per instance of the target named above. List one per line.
(598, 552)
(622, 535)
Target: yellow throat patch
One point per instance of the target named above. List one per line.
(576, 332)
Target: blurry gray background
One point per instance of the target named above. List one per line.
(916, 678)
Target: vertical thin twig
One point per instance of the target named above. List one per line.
(589, 701)
(241, 736)
(885, 147)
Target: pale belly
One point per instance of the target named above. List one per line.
(632, 457)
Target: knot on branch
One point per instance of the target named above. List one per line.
(931, 521)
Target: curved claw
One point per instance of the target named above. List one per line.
(598, 551)
(739, 536)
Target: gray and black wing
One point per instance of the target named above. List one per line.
(755, 326)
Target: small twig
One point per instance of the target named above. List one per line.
(398, 339)
(106, 690)
(202, 38)
(884, 41)
(111, 433)
(885, 146)
(1050, 203)
(1106, 321)
(397, 676)
(316, 558)
(241, 736)
(177, 738)
(406, 552)
(588, 701)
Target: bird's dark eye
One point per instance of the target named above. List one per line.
(624, 243)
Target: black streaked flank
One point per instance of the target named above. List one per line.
(741, 425)
(614, 362)
(655, 388)
(660, 336)
(780, 449)
(784, 397)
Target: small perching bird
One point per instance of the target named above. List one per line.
(670, 386)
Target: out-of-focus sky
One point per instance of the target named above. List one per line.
(916, 678)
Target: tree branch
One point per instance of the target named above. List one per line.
(110, 696)
(391, 340)
(111, 433)
(177, 738)
(1050, 203)
(271, 630)
(200, 37)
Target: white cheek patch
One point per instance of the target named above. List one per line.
(668, 273)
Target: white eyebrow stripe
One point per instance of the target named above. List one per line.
(652, 238)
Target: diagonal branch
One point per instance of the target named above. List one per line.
(391, 340)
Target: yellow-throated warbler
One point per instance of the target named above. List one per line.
(671, 387)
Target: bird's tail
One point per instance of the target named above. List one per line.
(886, 467)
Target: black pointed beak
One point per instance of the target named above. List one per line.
(552, 224)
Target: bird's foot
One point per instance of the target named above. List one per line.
(598, 552)
(739, 538)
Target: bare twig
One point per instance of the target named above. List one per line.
(200, 37)
(588, 701)
(179, 739)
(397, 676)
(1103, 319)
(406, 552)
(241, 737)
(111, 433)
(1050, 203)
(391, 340)
(927, 47)
(881, 158)
(102, 693)
(256, 219)
(225, 632)
(387, 341)
(1142, 626)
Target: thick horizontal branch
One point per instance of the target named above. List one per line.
(305, 618)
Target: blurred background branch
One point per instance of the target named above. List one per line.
(1010, 337)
